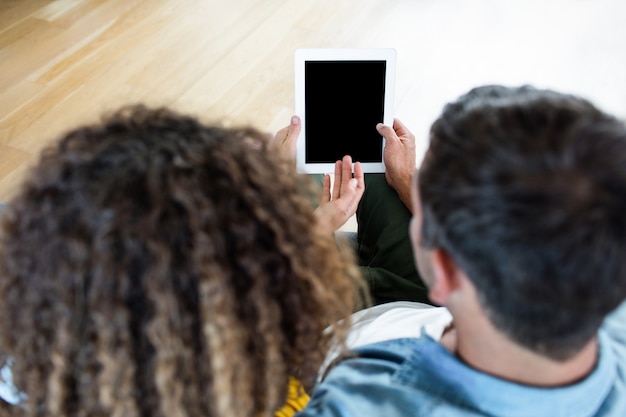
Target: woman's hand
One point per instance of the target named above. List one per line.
(340, 203)
(285, 140)
(338, 206)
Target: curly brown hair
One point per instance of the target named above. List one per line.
(155, 266)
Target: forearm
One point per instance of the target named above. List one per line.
(403, 189)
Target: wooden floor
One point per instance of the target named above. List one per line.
(65, 62)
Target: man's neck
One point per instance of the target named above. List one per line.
(489, 351)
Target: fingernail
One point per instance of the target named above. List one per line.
(353, 183)
(379, 126)
(295, 120)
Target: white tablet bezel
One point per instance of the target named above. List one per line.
(365, 54)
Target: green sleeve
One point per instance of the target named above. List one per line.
(384, 246)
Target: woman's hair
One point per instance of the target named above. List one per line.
(155, 266)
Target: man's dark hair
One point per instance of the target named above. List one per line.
(526, 189)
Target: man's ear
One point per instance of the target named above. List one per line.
(445, 276)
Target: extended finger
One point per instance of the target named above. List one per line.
(293, 131)
(338, 175)
(326, 189)
(286, 138)
(401, 130)
(387, 132)
(359, 176)
(358, 186)
(351, 196)
(347, 182)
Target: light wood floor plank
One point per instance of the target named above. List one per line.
(13, 164)
(19, 30)
(30, 53)
(12, 12)
(119, 43)
(14, 98)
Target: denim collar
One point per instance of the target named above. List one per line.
(436, 370)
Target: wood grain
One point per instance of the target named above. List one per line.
(66, 62)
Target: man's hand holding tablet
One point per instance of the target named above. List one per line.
(399, 158)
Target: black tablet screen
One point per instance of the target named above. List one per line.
(344, 101)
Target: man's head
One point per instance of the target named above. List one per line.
(152, 265)
(526, 190)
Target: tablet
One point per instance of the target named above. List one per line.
(341, 95)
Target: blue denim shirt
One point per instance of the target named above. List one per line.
(419, 377)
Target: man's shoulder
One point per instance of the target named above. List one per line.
(420, 377)
(384, 378)
(382, 361)
(614, 336)
(615, 325)
(395, 351)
